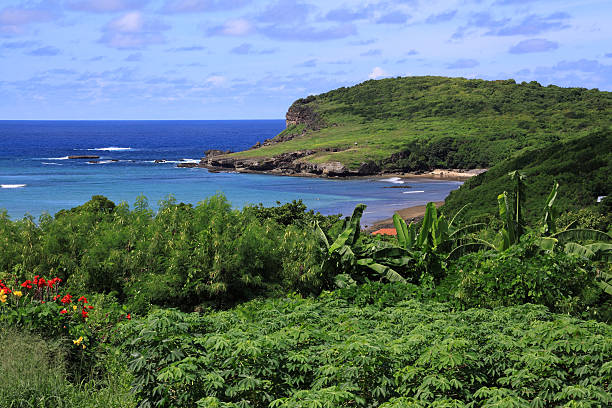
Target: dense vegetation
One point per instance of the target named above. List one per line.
(416, 124)
(437, 122)
(209, 306)
(582, 167)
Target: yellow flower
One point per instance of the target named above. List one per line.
(18, 293)
(83, 346)
(2, 296)
(78, 341)
(74, 307)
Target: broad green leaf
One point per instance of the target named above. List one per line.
(351, 232)
(383, 270)
(469, 248)
(401, 229)
(581, 235)
(546, 243)
(549, 221)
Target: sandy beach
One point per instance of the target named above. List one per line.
(408, 214)
(416, 212)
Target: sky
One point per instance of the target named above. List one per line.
(250, 59)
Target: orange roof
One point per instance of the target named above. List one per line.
(385, 231)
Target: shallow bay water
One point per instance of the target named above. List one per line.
(36, 176)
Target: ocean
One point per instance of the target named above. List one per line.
(36, 175)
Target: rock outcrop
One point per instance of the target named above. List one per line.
(292, 163)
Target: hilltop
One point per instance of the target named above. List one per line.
(416, 124)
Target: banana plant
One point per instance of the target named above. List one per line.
(511, 213)
(343, 256)
(436, 234)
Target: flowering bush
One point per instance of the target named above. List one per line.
(42, 306)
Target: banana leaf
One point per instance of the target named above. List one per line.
(550, 214)
(452, 222)
(382, 270)
(351, 233)
(506, 216)
(469, 248)
(427, 224)
(605, 283)
(321, 236)
(467, 229)
(546, 243)
(573, 248)
(581, 235)
(401, 229)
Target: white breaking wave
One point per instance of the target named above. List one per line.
(101, 162)
(394, 180)
(56, 158)
(175, 161)
(12, 185)
(111, 149)
(53, 164)
(413, 192)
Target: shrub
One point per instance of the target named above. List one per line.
(526, 274)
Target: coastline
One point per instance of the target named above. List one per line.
(412, 213)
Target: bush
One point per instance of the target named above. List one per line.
(526, 274)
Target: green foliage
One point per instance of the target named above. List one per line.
(421, 123)
(183, 255)
(368, 346)
(582, 166)
(526, 274)
(294, 213)
(35, 375)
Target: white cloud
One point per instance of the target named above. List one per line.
(236, 27)
(133, 30)
(216, 80)
(128, 23)
(377, 72)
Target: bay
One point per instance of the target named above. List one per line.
(36, 176)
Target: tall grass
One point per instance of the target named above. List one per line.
(33, 374)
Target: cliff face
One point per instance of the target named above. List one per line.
(302, 112)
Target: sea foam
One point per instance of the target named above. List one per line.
(12, 185)
(394, 180)
(413, 192)
(111, 148)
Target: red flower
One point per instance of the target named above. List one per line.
(84, 313)
(41, 282)
(128, 316)
(36, 279)
(90, 307)
(64, 311)
(55, 297)
(27, 284)
(66, 299)
(83, 299)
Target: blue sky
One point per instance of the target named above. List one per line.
(247, 59)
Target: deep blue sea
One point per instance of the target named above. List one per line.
(36, 176)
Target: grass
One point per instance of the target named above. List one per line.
(34, 374)
(461, 123)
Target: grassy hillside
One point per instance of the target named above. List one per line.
(582, 166)
(420, 123)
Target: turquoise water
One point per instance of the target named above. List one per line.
(36, 177)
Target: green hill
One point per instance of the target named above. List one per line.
(421, 123)
(582, 166)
